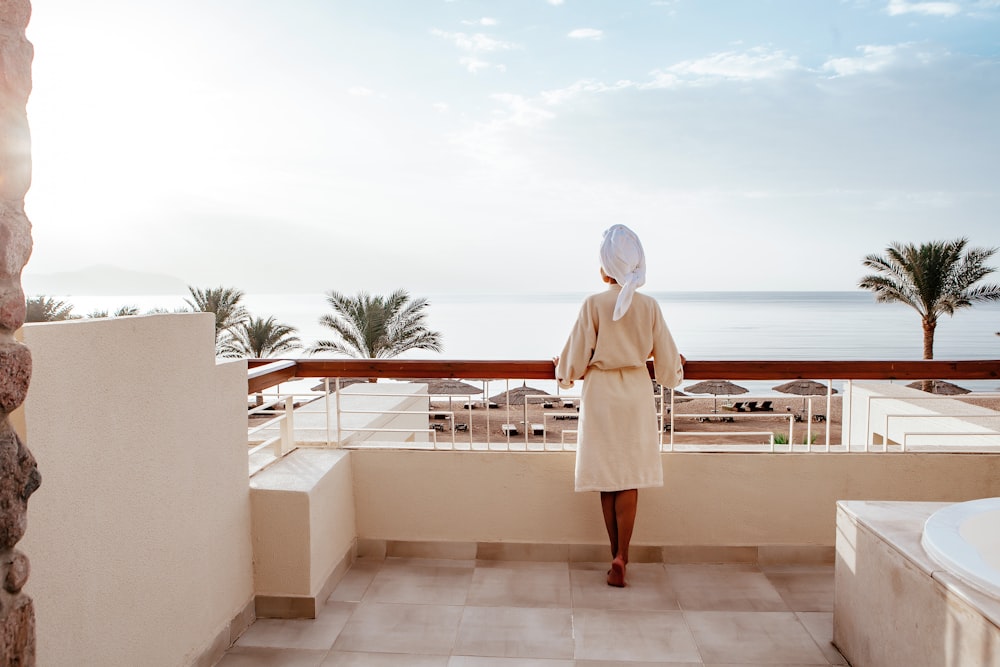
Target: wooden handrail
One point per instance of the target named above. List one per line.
(694, 370)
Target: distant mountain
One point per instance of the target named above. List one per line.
(101, 279)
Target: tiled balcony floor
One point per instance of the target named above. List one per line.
(462, 613)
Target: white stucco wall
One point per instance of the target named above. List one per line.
(139, 537)
(303, 521)
(716, 500)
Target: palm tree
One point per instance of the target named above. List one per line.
(46, 309)
(121, 312)
(934, 279)
(377, 327)
(257, 338)
(224, 302)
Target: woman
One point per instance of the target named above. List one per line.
(618, 445)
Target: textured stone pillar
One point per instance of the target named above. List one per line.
(18, 473)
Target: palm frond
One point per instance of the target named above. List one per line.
(376, 326)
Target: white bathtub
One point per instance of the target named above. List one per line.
(964, 539)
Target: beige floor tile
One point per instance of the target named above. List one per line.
(819, 625)
(723, 588)
(355, 583)
(300, 633)
(805, 590)
(476, 661)
(647, 588)
(420, 583)
(467, 563)
(520, 587)
(514, 632)
(400, 620)
(633, 663)
(270, 657)
(633, 635)
(775, 638)
(346, 659)
(401, 628)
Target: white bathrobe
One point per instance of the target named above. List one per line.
(618, 444)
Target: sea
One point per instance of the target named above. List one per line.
(706, 325)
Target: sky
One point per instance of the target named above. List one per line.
(454, 145)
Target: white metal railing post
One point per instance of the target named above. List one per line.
(340, 439)
(326, 407)
(672, 405)
(829, 413)
(287, 428)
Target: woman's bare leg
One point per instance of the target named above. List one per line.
(623, 504)
(626, 503)
(610, 518)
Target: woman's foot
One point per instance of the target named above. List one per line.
(616, 577)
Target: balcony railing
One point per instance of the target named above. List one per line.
(401, 415)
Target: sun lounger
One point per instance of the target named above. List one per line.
(737, 406)
(569, 404)
(538, 429)
(547, 405)
(437, 427)
(751, 406)
(508, 429)
(461, 427)
(766, 406)
(819, 418)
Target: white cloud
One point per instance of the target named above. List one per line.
(555, 2)
(360, 91)
(586, 33)
(485, 21)
(475, 45)
(946, 9)
(473, 64)
(522, 112)
(753, 65)
(441, 107)
(560, 96)
(872, 59)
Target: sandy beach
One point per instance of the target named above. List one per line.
(693, 417)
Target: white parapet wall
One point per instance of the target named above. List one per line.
(139, 537)
(877, 414)
(303, 530)
(719, 501)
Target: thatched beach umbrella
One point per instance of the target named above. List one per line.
(716, 387)
(517, 395)
(447, 386)
(344, 382)
(940, 387)
(804, 388)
